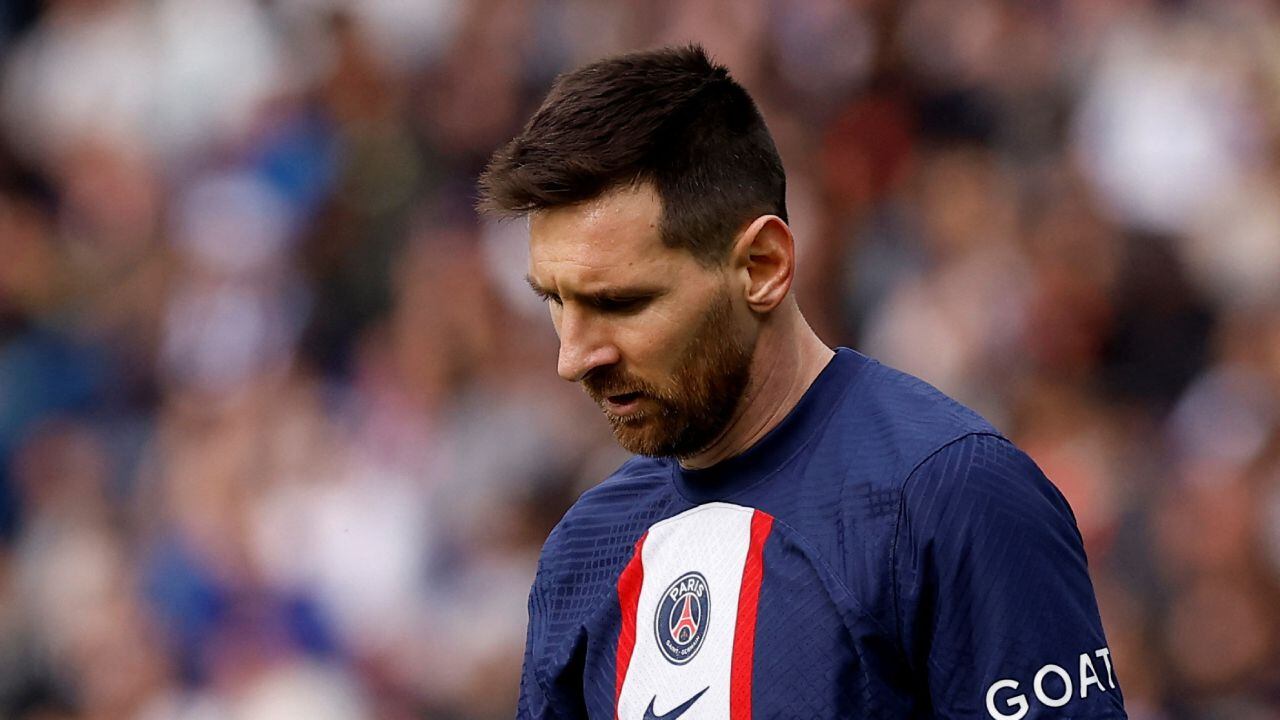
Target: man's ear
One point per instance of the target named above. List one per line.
(764, 258)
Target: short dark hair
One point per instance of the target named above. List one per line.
(668, 117)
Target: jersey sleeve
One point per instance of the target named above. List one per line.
(995, 609)
(534, 703)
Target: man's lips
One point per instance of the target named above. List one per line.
(622, 404)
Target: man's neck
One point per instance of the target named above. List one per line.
(788, 357)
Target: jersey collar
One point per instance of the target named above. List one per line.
(781, 444)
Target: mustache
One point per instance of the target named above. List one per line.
(614, 381)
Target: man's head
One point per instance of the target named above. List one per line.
(657, 234)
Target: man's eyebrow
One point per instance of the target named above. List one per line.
(604, 294)
(622, 293)
(537, 289)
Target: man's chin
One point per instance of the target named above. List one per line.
(640, 435)
(635, 433)
(646, 435)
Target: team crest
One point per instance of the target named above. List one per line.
(681, 622)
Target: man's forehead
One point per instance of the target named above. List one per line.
(614, 230)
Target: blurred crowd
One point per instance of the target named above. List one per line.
(280, 432)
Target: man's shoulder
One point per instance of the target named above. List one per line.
(986, 475)
(910, 407)
(895, 420)
(940, 437)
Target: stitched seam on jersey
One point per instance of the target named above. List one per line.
(897, 529)
(536, 670)
(853, 386)
(822, 563)
(552, 701)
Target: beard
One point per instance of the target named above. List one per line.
(697, 404)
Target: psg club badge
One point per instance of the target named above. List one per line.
(681, 622)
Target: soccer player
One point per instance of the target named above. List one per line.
(803, 533)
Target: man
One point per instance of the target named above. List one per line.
(803, 533)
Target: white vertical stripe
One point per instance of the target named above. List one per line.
(713, 540)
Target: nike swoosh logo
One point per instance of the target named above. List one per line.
(676, 712)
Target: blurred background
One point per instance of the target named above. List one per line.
(280, 431)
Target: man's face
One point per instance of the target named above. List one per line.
(654, 337)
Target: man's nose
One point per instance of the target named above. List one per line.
(584, 346)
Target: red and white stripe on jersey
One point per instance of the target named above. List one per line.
(629, 584)
(725, 543)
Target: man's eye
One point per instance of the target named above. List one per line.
(621, 305)
(550, 298)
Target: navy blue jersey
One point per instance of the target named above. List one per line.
(882, 553)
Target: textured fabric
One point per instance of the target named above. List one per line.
(916, 565)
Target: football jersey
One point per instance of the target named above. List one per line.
(882, 553)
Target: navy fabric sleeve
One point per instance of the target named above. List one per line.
(534, 704)
(995, 609)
